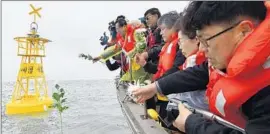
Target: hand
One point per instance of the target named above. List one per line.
(140, 60)
(145, 55)
(145, 92)
(96, 59)
(182, 117)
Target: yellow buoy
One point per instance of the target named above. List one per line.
(31, 91)
(153, 114)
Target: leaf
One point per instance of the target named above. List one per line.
(62, 94)
(56, 96)
(63, 100)
(65, 108)
(56, 105)
(59, 97)
(57, 86)
(53, 106)
(59, 107)
(62, 90)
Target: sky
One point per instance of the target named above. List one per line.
(74, 27)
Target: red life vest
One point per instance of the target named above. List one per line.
(247, 73)
(167, 56)
(128, 42)
(119, 41)
(196, 58)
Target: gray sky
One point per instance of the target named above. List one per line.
(74, 27)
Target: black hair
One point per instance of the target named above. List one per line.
(177, 25)
(204, 13)
(121, 20)
(168, 19)
(186, 25)
(153, 11)
(120, 17)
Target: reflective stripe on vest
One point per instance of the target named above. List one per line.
(266, 65)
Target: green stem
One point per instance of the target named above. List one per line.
(61, 123)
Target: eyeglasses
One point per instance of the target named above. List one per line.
(204, 41)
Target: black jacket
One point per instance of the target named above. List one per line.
(154, 33)
(153, 51)
(112, 66)
(256, 109)
(153, 58)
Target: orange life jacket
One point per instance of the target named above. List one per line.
(167, 56)
(196, 58)
(119, 41)
(128, 42)
(247, 73)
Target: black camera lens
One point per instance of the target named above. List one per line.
(111, 26)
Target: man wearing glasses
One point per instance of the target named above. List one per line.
(235, 38)
(151, 17)
(149, 59)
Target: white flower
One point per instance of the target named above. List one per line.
(131, 88)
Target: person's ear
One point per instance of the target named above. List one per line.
(246, 27)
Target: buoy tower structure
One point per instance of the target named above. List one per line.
(30, 94)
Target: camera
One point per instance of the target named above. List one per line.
(104, 39)
(143, 21)
(111, 26)
(112, 29)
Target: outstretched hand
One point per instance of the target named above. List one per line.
(95, 59)
(144, 93)
(89, 57)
